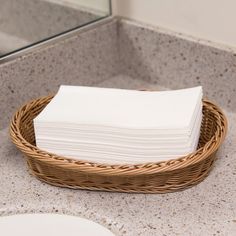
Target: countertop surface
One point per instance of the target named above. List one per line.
(206, 209)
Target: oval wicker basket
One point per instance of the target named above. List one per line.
(161, 177)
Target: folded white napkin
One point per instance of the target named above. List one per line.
(125, 109)
(120, 126)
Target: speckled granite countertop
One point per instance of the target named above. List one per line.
(126, 55)
(206, 209)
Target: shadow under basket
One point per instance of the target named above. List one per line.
(160, 177)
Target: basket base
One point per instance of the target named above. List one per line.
(152, 190)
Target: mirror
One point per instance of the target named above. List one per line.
(26, 22)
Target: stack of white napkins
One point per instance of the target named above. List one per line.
(117, 126)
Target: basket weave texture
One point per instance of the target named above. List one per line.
(161, 177)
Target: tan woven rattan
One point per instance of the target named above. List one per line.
(161, 177)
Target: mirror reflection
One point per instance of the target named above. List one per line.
(26, 22)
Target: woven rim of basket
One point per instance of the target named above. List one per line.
(106, 169)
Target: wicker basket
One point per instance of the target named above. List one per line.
(161, 177)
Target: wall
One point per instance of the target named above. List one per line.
(207, 19)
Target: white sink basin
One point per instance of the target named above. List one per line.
(50, 225)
